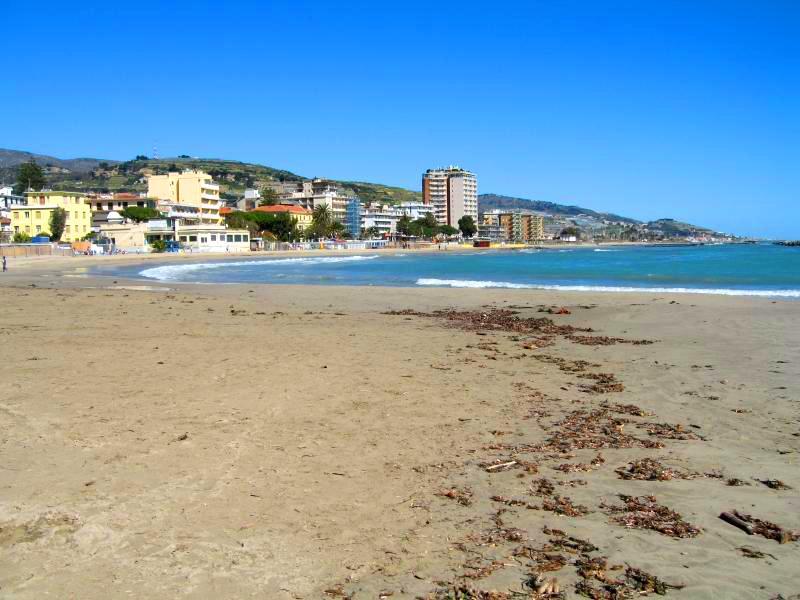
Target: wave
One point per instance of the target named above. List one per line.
(605, 250)
(461, 283)
(177, 272)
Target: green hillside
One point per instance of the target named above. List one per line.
(96, 175)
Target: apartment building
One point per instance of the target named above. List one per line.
(514, 226)
(189, 188)
(452, 192)
(33, 217)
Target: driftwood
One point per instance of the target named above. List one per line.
(737, 522)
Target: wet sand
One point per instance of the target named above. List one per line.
(297, 442)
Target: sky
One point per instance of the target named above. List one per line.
(684, 109)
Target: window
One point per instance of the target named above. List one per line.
(192, 238)
(213, 237)
(27, 215)
(237, 238)
(38, 228)
(230, 238)
(203, 240)
(67, 228)
(183, 238)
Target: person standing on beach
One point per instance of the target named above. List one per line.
(5, 265)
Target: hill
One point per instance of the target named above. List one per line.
(488, 202)
(673, 228)
(89, 174)
(9, 159)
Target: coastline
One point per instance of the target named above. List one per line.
(207, 441)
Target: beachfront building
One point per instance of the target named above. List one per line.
(452, 193)
(303, 216)
(382, 218)
(8, 200)
(212, 238)
(513, 226)
(319, 192)
(190, 188)
(353, 218)
(33, 217)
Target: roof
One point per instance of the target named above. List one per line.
(283, 208)
(126, 196)
(225, 210)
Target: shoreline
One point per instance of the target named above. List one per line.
(81, 267)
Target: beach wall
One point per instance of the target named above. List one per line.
(22, 250)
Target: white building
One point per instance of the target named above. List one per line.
(382, 217)
(452, 192)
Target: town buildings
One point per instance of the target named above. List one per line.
(452, 192)
(8, 200)
(512, 226)
(188, 188)
(302, 215)
(33, 217)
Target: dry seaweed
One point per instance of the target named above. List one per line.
(648, 469)
(466, 592)
(775, 484)
(462, 496)
(604, 383)
(626, 409)
(595, 429)
(768, 529)
(563, 505)
(643, 512)
(669, 432)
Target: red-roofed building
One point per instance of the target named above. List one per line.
(225, 210)
(303, 215)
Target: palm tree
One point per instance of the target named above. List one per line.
(321, 221)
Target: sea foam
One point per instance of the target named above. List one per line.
(466, 283)
(177, 272)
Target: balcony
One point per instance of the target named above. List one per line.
(209, 186)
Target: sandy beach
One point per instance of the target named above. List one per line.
(258, 441)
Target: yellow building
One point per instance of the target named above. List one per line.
(303, 216)
(189, 188)
(34, 217)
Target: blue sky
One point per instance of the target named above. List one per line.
(686, 109)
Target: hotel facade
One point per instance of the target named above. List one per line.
(33, 217)
(189, 188)
(452, 193)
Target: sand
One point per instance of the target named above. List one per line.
(180, 441)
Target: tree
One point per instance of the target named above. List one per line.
(21, 238)
(269, 197)
(140, 213)
(141, 157)
(321, 222)
(58, 220)
(570, 231)
(29, 177)
(371, 232)
(448, 230)
(158, 246)
(404, 225)
(467, 226)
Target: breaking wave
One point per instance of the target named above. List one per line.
(178, 272)
(462, 283)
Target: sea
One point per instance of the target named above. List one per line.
(730, 269)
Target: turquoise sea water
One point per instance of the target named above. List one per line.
(763, 270)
